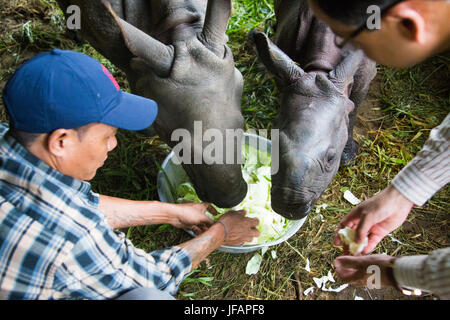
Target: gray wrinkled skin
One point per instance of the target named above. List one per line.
(320, 94)
(174, 51)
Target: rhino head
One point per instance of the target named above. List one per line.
(313, 123)
(175, 52)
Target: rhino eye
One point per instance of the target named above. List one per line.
(330, 158)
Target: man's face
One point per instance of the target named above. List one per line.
(391, 45)
(89, 150)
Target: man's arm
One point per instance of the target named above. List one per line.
(122, 213)
(415, 184)
(105, 263)
(428, 273)
(201, 246)
(233, 229)
(429, 171)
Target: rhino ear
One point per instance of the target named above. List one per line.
(157, 55)
(276, 61)
(342, 76)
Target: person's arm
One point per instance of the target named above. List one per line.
(414, 185)
(105, 263)
(233, 229)
(429, 171)
(359, 271)
(429, 273)
(122, 213)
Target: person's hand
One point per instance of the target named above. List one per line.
(239, 229)
(193, 216)
(356, 271)
(376, 217)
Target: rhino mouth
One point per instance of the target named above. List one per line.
(292, 204)
(223, 194)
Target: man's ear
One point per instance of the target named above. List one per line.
(409, 20)
(60, 142)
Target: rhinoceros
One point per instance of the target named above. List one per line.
(321, 89)
(175, 52)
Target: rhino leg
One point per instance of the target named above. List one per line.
(351, 148)
(293, 26)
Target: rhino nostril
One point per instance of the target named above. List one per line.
(292, 203)
(224, 195)
(291, 211)
(231, 195)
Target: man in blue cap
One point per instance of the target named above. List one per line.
(57, 237)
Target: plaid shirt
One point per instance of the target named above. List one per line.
(55, 242)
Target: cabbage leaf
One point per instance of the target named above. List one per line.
(257, 202)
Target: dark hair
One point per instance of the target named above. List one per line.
(351, 12)
(26, 139)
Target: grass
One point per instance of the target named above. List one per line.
(259, 101)
(401, 109)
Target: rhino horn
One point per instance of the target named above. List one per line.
(276, 61)
(157, 55)
(342, 76)
(215, 26)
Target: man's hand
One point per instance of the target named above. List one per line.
(233, 229)
(193, 216)
(354, 270)
(376, 217)
(239, 228)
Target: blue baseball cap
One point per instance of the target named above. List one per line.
(64, 89)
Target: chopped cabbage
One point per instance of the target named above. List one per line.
(254, 264)
(348, 236)
(257, 204)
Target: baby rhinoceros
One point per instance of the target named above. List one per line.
(320, 93)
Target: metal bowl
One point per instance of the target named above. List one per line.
(173, 175)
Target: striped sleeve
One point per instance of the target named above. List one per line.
(428, 273)
(429, 171)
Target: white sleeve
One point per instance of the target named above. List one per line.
(428, 273)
